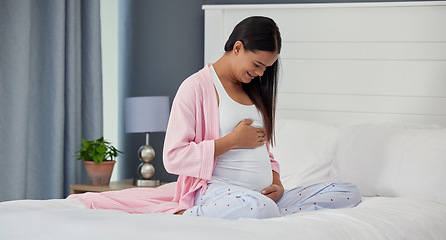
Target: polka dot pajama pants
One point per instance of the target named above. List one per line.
(233, 202)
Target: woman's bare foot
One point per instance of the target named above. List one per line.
(180, 212)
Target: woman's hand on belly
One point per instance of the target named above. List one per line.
(275, 190)
(243, 136)
(247, 136)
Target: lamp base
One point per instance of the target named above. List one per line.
(146, 182)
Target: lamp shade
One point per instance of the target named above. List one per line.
(146, 114)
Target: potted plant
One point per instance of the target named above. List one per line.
(98, 157)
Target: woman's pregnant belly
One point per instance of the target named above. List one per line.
(250, 168)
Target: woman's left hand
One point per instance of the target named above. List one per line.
(274, 191)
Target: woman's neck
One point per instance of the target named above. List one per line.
(223, 68)
(231, 84)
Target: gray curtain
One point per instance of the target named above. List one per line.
(50, 94)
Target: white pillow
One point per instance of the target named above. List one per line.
(393, 160)
(304, 151)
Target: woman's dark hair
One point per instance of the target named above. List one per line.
(260, 34)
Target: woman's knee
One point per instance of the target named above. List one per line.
(249, 205)
(343, 195)
(237, 206)
(352, 193)
(260, 208)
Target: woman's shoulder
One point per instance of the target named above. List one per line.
(199, 80)
(197, 90)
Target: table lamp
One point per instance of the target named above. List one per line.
(146, 115)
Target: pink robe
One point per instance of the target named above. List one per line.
(188, 152)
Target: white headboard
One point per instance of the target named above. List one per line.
(349, 63)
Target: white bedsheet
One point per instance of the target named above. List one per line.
(375, 218)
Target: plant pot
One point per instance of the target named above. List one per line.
(99, 174)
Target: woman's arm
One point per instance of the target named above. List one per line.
(186, 152)
(275, 190)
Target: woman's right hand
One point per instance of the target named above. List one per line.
(243, 136)
(246, 136)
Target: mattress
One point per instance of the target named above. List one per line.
(374, 218)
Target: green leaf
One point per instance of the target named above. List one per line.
(97, 159)
(97, 151)
(85, 143)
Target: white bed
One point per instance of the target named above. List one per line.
(374, 218)
(362, 98)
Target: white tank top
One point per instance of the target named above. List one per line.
(250, 168)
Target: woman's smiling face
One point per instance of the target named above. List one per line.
(251, 64)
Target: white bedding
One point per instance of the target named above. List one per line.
(375, 218)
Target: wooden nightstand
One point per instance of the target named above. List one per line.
(116, 185)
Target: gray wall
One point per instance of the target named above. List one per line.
(161, 44)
